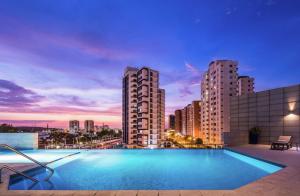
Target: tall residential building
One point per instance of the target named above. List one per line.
(189, 120)
(172, 121)
(183, 121)
(245, 85)
(89, 126)
(74, 126)
(143, 107)
(178, 121)
(217, 86)
(161, 113)
(193, 119)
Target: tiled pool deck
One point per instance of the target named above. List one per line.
(284, 182)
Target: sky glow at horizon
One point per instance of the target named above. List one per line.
(64, 60)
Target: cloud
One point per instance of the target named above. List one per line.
(19, 100)
(193, 79)
(182, 86)
(246, 68)
(185, 92)
(13, 95)
(197, 20)
(230, 11)
(192, 69)
(53, 123)
(270, 2)
(113, 111)
(74, 100)
(76, 53)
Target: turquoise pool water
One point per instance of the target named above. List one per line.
(150, 170)
(40, 155)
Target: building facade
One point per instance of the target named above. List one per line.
(276, 112)
(89, 126)
(184, 121)
(143, 107)
(74, 126)
(161, 114)
(178, 121)
(188, 119)
(218, 85)
(245, 85)
(172, 121)
(194, 119)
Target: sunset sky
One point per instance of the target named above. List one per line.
(64, 59)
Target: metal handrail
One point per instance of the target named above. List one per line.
(16, 171)
(31, 159)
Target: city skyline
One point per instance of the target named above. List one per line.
(58, 64)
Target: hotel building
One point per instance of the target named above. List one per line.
(143, 107)
(172, 121)
(218, 85)
(73, 126)
(89, 126)
(245, 85)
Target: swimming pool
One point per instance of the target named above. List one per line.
(44, 156)
(150, 170)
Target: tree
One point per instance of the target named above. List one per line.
(172, 134)
(6, 128)
(199, 141)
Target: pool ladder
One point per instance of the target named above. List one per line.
(5, 146)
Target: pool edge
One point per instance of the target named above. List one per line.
(256, 187)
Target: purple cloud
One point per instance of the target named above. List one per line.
(73, 100)
(17, 99)
(185, 80)
(112, 111)
(13, 95)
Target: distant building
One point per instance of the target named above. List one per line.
(161, 113)
(97, 128)
(74, 126)
(245, 85)
(193, 119)
(101, 128)
(172, 121)
(143, 107)
(178, 121)
(218, 85)
(89, 126)
(183, 121)
(188, 119)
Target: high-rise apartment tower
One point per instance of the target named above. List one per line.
(89, 126)
(143, 108)
(73, 126)
(217, 86)
(178, 121)
(245, 85)
(172, 121)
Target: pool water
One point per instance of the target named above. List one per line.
(150, 170)
(40, 155)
